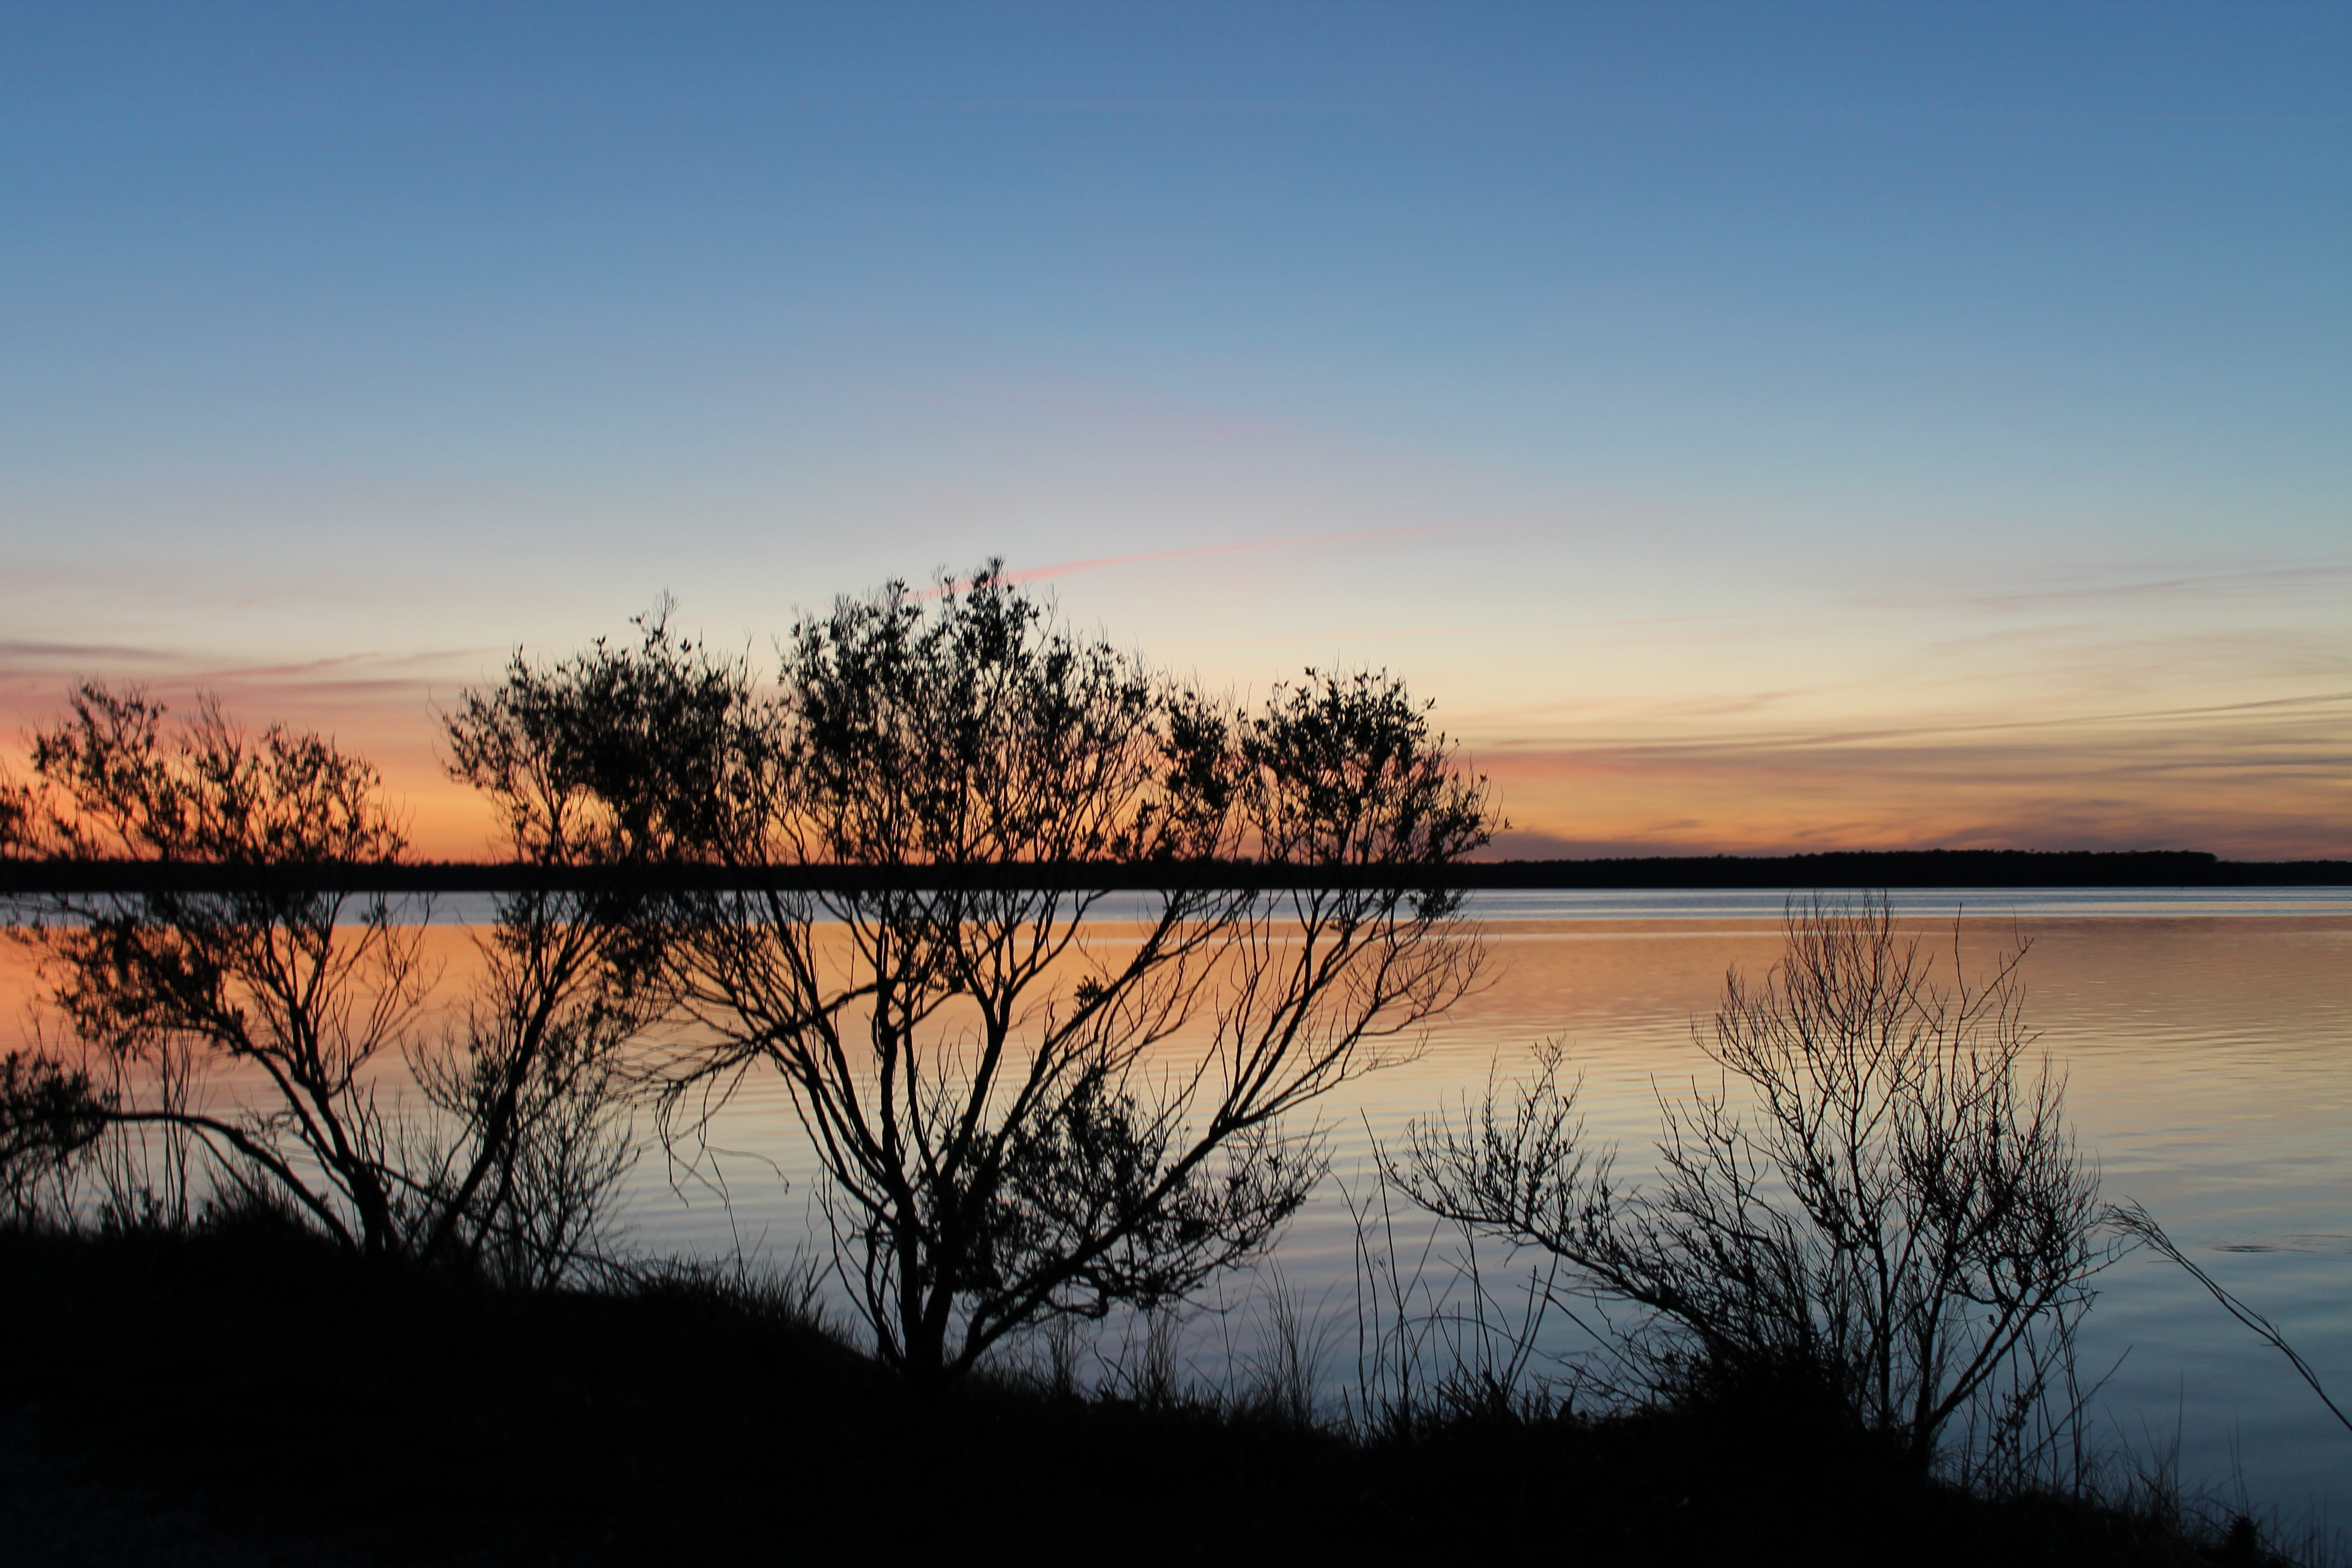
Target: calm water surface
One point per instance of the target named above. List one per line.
(2207, 1040)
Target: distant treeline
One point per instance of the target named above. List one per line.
(1919, 869)
(1834, 868)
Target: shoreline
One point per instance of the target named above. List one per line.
(1892, 869)
(237, 1386)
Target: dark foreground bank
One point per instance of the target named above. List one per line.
(243, 1394)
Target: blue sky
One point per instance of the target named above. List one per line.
(1759, 426)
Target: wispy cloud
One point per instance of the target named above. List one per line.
(1862, 735)
(48, 655)
(2266, 779)
(2309, 576)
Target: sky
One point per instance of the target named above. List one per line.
(1754, 427)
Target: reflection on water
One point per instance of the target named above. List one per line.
(2206, 1036)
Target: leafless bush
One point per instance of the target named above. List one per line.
(1892, 1212)
(1437, 1338)
(541, 1123)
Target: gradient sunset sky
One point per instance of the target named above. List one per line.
(1759, 427)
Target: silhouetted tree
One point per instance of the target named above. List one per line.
(1888, 1216)
(251, 944)
(999, 1081)
(537, 1079)
(273, 959)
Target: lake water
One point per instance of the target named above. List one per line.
(2207, 1040)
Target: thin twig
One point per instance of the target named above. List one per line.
(2133, 1220)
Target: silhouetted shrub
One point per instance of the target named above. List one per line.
(1891, 1216)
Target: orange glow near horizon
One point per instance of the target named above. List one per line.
(2228, 782)
(2207, 713)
